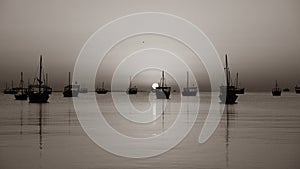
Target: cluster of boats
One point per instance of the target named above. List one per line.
(39, 91)
(276, 91)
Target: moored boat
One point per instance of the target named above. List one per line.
(131, 90)
(71, 90)
(101, 90)
(189, 91)
(163, 91)
(276, 91)
(38, 93)
(228, 92)
(297, 89)
(22, 93)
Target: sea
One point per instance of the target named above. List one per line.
(260, 131)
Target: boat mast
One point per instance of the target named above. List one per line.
(22, 82)
(227, 71)
(40, 77)
(187, 79)
(69, 80)
(276, 85)
(46, 83)
(163, 78)
(237, 80)
(129, 81)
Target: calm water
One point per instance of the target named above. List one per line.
(259, 132)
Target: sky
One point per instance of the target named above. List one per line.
(261, 38)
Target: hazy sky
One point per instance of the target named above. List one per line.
(262, 38)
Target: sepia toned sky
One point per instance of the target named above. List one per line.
(261, 38)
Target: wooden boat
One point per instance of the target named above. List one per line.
(22, 92)
(101, 90)
(163, 91)
(237, 89)
(38, 93)
(276, 91)
(131, 90)
(71, 90)
(228, 92)
(297, 89)
(189, 91)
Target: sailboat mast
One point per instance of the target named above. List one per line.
(237, 80)
(40, 77)
(21, 82)
(163, 78)
(69, 79)
(46, 83)
(129, 81)
(187, 79)
(227, 71)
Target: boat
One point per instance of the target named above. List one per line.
(188, 91)
(71, 90)
(101, 90)
(38, 93)
(131, 90)
(237, 89)
(22, 92)
(297, 89)
(276, 91)
(286, 90)
(228, 92)
(6, 90)
(163, 91)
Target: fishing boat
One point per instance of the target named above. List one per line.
(297, 89)
(38, 92)
(163, 91)
(189, 91)
(22, 92)
(71, 90)
(101, 90)
(131, 90)
(237, 89)
(286, 90)
(228, 92)
(276, 91)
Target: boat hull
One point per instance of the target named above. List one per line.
(240, 90)
(21, 96)
(38, 97)
(276, 92)
(297, 90)
(70, 93)
(163, 92)
(228, 95)
(101, 91)
(132, 91)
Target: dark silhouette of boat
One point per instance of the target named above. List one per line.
(6, 90)
(276, 91)
(22, 92)
(188, 91)
(71, 90)
(297, 89)
(237, 89)
(228, 92)
(163, 91)
(38, 93)
(101, 90)
(131, 90)
(286, 90)
(11, 90)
